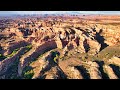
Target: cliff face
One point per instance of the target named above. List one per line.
(5, 64)
(14, 46)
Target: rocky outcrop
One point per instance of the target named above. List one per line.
(53, 73)
(94, 71)
(13, 46)
(68, 68)
(5, 64)
(81, 46)
(111, 35)
(73, 73)
(59, 43)
(94, 46)
(114, 60)
(110, 72)
(38, 66)
(34, 53)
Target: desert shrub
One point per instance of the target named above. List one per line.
(13, 53)
(56, 58)
(29, 47)
(55, 55)
(28, 74)
(2, 57)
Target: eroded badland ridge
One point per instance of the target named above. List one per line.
(60, 47)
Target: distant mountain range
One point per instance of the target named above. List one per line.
(14, 13)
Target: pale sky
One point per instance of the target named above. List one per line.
(58, 12)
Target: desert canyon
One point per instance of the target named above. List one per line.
(60, 47)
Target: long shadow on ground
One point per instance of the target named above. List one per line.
(104, 75)
(83, 72)
(116, 69)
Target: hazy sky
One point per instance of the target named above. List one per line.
(58, 12)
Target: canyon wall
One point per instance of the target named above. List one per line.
(5, 64)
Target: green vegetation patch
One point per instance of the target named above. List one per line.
(28, 72)
(13, 53)
(55, 56)
(2, 57)
(29, 47)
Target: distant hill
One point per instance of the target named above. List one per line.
(54, 13)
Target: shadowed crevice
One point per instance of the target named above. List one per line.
(104, 75)
(116, 70)
(101, 40)
(83, 72)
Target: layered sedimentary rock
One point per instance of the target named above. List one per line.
(5, 64)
